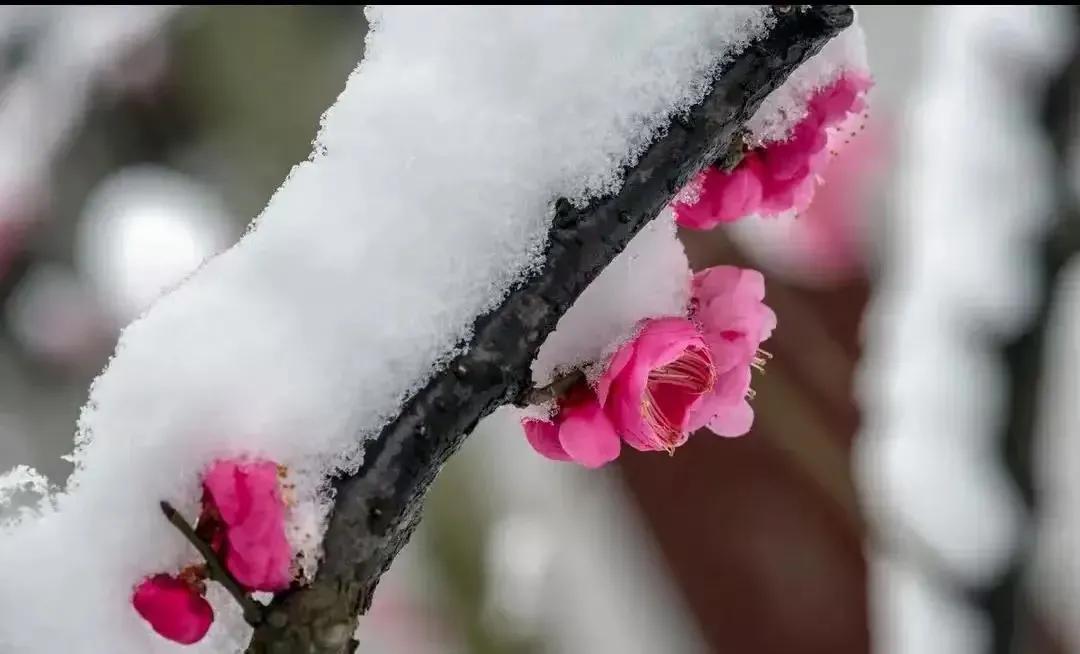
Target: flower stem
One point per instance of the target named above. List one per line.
(553, 391)
(253, 613)
(735, 152)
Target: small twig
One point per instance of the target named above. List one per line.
(253, 613)
(553, 391)
(734, 153)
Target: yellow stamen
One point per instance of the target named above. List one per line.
(693, 372)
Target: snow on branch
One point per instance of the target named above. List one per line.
(378, 506)
(292, 400)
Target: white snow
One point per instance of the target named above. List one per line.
(650, 278)
(23, 492)
(429, 194)
(786, 106)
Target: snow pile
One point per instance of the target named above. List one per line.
(23, 493)
(428, 195)
(649, 279)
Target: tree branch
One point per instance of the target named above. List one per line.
(378, 507)
(216, 569)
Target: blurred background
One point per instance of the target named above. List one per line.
(908, 485)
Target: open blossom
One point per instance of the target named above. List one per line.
(727, 303)
(579, 431)
(781, 176)
(655, 382)
(675, 376)
(243, 520)
(174, 608)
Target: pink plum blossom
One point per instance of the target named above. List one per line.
(727, 303)
(174, 608)
(723, 197)
(579, 431)
(243, 520)
(844, 96)
(780, 176)
(655, 382)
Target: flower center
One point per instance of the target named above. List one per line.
(670, 390)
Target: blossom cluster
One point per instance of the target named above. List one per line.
(679, 374)
(780, 176)
(676, 375)
(243, 522)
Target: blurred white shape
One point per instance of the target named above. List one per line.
(912, 613)
(408, 613)
(53, 317)
(43, 99)
(520, 559)
(960, 276)
(608, 590)
(143, 230)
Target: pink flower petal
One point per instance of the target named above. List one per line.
(730, 390)
(247, 498)
(778, 176)
(730, 282)
(733, 195)
(728, 305)
(649, 396)
(544, 438)
(587, 435)
(173, 609)
(614, 368)
(734, 384)
(662, 340)
(733, 421)
(724, 196)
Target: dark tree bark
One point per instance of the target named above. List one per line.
(378, 507)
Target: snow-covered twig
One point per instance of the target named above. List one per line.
(378, 506)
